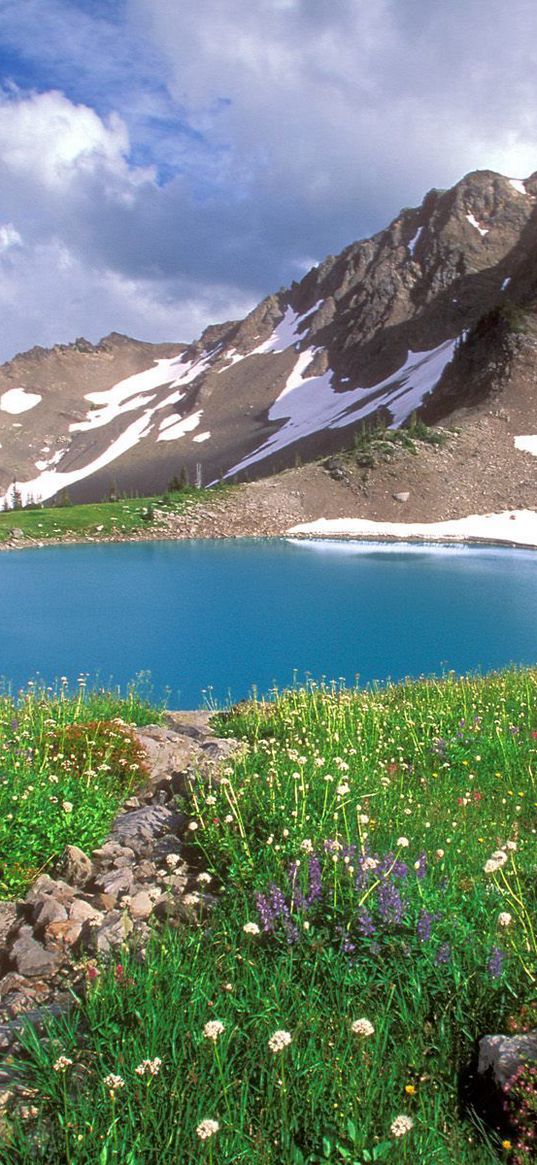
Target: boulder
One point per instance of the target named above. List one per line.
(48, 910)
(503, 1054)
(31, 959)
(76, 867)
(115, 883)
(63, 934)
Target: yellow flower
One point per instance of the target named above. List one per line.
(506, 1145)
(410, 1089)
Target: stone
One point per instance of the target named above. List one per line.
(30, 957)
(81, 911)
(115, 883)
(8, 917)
(76, 866)
(113, 852)
(46, 911)
(65, 934)
(141, 827)
(18, 994)
(402, 496)
(112, 933)
(44, 886)
(141, 905)
(503, 1054)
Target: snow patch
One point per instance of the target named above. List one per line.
(415, 240)
(474, 223)
(128, 394)
(201, 437)
(519, 526)
(527, 444)
(518, 185)
(505, 283)
(50, 481)
(17, 400)
(309, 404)
(56, 457)
(285, 333)
(173, 432)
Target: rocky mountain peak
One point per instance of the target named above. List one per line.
(370, 332)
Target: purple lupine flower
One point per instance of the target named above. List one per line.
(399, 869)
(348, 851)
(385, 864)
(443, 954)
(315, 881)
(278, 901)
(265, 912)
(423, 925)
(347, 945)
(421, 866)
(390, 904)
(366, 925)
(495, 963)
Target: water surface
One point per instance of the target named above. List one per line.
(226, 616)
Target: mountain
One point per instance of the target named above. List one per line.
(432, 314)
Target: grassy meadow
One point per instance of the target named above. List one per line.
(103, 519)
(374, 857)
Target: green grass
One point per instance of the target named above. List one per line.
(66, 765)
(102, 519)
(438, 775)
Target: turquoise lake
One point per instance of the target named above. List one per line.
(220, 618)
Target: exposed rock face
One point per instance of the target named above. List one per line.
(503, 1055)
(370, 333)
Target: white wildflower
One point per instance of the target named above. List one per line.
(362, 1027)
(279, 1041)
(67, 806)
(228, 819)
(403, 842)
(439, 853)
(363, 819)
(307, 845)
(401, 1125)
(204, 878)
(370, 864)
(505, 919)
(113, 1083)
(210, 800)
(213, 1029)
(62, 1063)
(149, 1067)
(342, 790)
(511, 845)
(251, 928)
(206, 1129)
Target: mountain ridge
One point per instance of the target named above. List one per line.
(388, 327)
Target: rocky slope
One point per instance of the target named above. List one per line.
(435, 314)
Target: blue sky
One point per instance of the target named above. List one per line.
(165, 165)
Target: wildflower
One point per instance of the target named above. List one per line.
(362, 1027)
(192, 825)
(62, 1063)
(505, 919)
(251, 928)
(67, 806)
(498, 859)
(279, 1041)
(495, 963)
(149, 1067)
(370, 863)
(511, 845)
(206, 1129)
(410, 1090)
(506, 1145)
(228, 819)
(113, 1083)
(204, 878)
(401, 1125)
(342, 790)
(403, 842)
(363, 818)
(439, 853)
(443, 954)
(210, 800)
(213, 1029)
(172, 860)
(307, 845)
(421, 866)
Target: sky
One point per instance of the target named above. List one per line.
(166, 164)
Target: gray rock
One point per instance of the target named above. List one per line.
(505, 1054)
(45, 886)
(402, 496)
(81, 911)
(116, 882)
(112, 933)
(141, 905)
(114, 853)
(30, 958)
(8, 915)
(141, 827)
(48, 910)
(76, 867)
